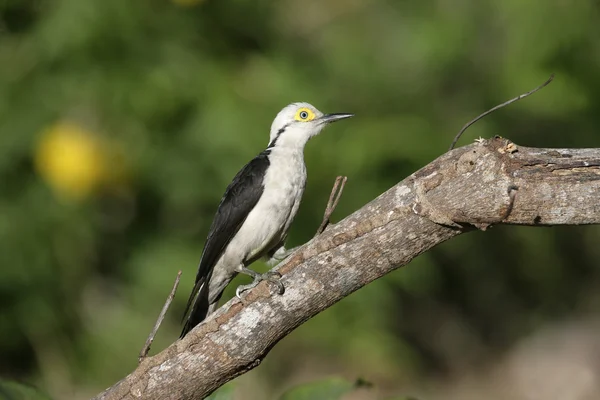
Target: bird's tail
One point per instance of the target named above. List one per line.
(199, 304)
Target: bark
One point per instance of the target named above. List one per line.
(489, 182)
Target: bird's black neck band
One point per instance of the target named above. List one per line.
(274, 141)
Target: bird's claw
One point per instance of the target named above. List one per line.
(240, 289)
(271, 276)
(275, 278)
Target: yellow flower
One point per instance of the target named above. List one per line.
(72, 160)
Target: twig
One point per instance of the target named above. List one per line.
(468, 124)
(159, 321)
(334, 198)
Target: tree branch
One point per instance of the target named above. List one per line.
(334, 198)
(161, 316)
(488, 182)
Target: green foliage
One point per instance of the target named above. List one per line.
(327, 389)
(225, 392)
(16, 391)
(402, 398)
(324, 389)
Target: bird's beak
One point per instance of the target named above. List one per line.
(328, 118)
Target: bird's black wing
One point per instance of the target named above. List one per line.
(239, 199)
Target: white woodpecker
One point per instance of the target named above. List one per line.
(256, 211)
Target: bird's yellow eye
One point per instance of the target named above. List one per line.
(304, 115)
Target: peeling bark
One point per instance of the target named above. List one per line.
(489, 182)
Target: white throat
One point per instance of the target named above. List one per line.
(294, 136)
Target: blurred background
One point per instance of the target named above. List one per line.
(122, 122)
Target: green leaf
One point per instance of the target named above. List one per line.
(329, 389)
(17, 391)
(224, 393)
(402, 398)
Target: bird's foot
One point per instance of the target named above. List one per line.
(271, 276)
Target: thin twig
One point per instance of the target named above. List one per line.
(334, 199)
(468, 124)
(159, 321)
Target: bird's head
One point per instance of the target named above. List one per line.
(298, 122)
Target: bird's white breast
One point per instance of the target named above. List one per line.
(268, 223)
(284, 184)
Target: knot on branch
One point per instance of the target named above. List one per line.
(474, 189)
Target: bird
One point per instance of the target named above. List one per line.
(256, 211)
